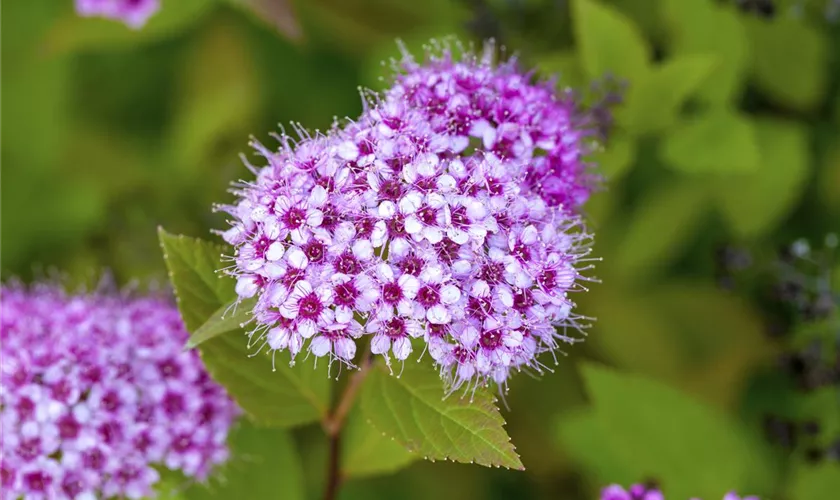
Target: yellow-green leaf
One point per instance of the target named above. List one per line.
(715, 141)
(790, 61)
(654, 101)
(657, 431)
(411, 408)
(754, 203)
(608, 42)
(366, 451)
(704, 27)
(658, 229)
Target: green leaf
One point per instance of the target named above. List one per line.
(269, 390)
(73, 32)
(617, 156)
(828, 180)
(411, 409)
(715, 141)
(263, 462)
(193, 271)
(358, 26)
(656, 431)
(814, 482)
(659, 229)
(608, 41)
(790, 61)
(218, 100)
(754, 203)
(836, 275)
(367, 452)
(702, 27)
(634, 335)
(583, 437)
(565, 65)
(654, 101)
(277, 14)
(231, 316)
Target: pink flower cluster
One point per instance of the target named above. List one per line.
(96, 392)
(443, 218)
(134, 13)
(641, 492)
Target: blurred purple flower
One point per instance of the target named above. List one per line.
(96, 392)
(642, 492)
(134, 13)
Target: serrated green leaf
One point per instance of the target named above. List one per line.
(715, 141)
(653, 101)
(411, 409)
(608, 42)
(268, 389)
(702, 27)
(193, 270)
(659, 228)
(754, 203)
(789, 61)
(656, 431)
(367, 452)
(73, 32)
(229, 317)
(814, 482)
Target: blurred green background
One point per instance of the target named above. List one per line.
(730, 134)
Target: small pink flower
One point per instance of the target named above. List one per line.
(309, 308)
(393, 333)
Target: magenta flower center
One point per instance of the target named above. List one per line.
(394, 328)
(37, 481)
(491, 339)
(310, 306)
(346, 263)
(390, 190)
(428, 296)
(392, 293)
(315, 250)
(411, 265)
(522, 299)
(427, 215)
(459, 217)
(345, 294)
(294, 217)
(548, 279)
(492, 272)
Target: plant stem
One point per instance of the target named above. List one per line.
(333, 424)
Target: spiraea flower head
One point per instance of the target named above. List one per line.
(134, 13)
(642, 492)
(501, 110)
(97, 393)
(441, 221)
